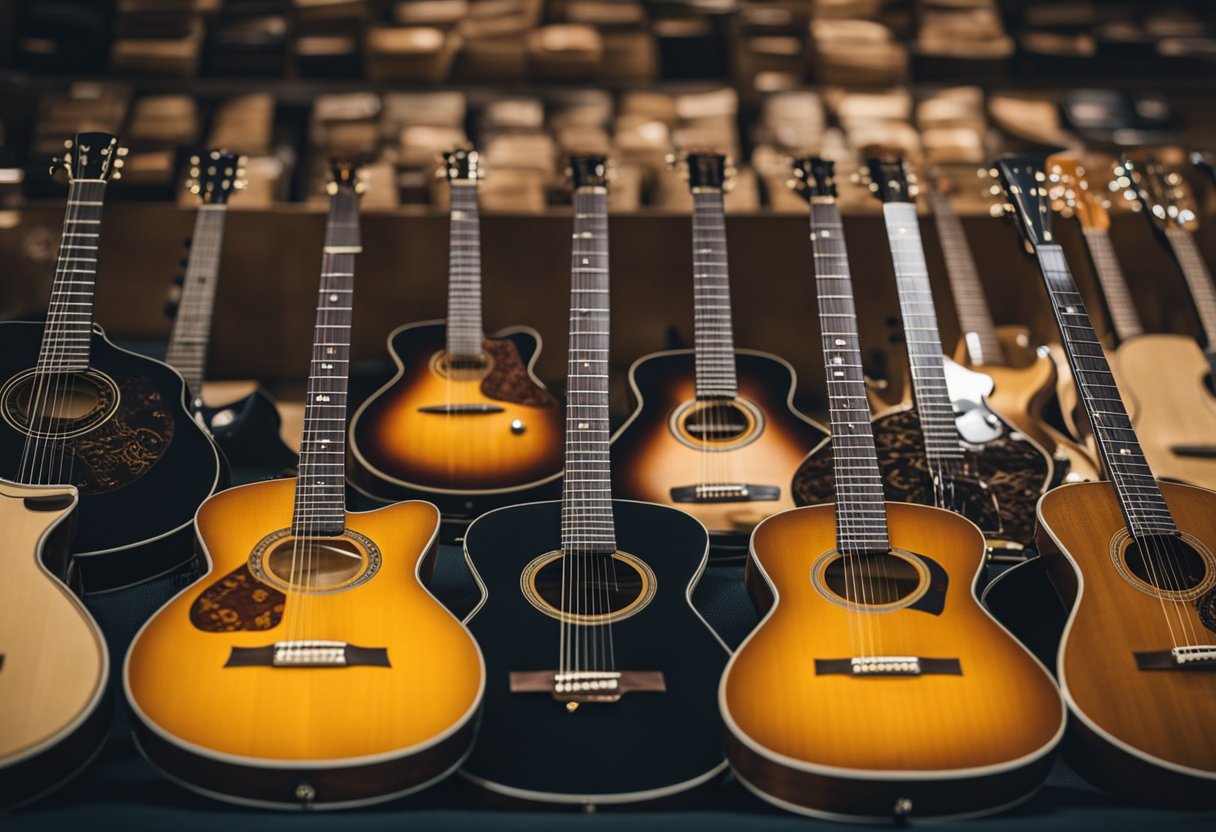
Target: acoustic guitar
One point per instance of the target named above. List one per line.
(247, 430)
(950, 450)
(464, 422)
(77, 410)
(1174, 413)
(1133, 559)
(600, 672)
(309, 667)
(1024, 377)
(715, 431)
(876, 687)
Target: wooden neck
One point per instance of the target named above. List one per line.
(1123, 315)
(921, 335)
(861, 515)
(587, 525)
(715, 345)
(1139, 496)
(320, 505)
(69, 319)
(191, 334)
(975, 318)
(464, 328)
(1198, 280)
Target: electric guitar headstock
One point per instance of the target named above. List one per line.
(814, 178)
(461, 164)
(1028, 194)
(1157, 190)
(889, 177)
(705, 170)
(90, 156)
(344, 177)
(588, 170)
(1071, 194)
(215, 175)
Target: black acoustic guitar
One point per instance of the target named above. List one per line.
(600, 675)
(951, 450)
(77, 410)
(247, 430)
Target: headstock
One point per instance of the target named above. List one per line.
(1157, 190)
(461, 164)
(890, 178)
(344, 177)
(814, 178)
(1071, 194)
(91, 156)
(588, 170)
(705, 169)
(215, 175)
(1026, 189)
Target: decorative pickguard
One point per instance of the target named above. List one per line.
(237, 601)
(125, 447)
(509, 381)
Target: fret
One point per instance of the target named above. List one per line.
(191, 332)
(464, 322)
(1123, 314)
(713, 330)
(1198, 280)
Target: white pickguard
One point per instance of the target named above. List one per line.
(977, 424)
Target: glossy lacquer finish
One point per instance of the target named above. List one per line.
(650, 459)
(646, 746)
(854, 748)
(141, 473)
(305, 736)
(1143, 734)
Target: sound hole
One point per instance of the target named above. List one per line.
(596, 588)
(462, 367)
(716, 424)
(59, 404)
(876, 581)
(314, 564)
(1165, 562)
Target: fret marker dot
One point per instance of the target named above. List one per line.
(840, 342)
(1125, 452)
(333, 298)
(837, 359)
(583, 425)
(586, 262)
(824, 234)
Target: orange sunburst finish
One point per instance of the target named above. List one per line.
(839, 745)
(185, 697)
(401, 450)
(1144, 734)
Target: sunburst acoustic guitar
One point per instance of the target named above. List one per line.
(600, 672)
(1133, 559)
(464, 422)
(310, 667)
(715, 431)
(876, 687)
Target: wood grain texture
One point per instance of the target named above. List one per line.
(998, 719)
(179, 687)
(1130, 717)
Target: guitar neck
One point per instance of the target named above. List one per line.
(320, 504)
(1143, 506)
(187, 352)
(921, 334)
(1198, 280)
(861, 516)
(1123, 315)
(715, 344)
(69, 319)
(975, 318)
(464, 327)
(587, 524)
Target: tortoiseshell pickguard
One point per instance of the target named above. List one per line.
(237, 601)
(509, 380)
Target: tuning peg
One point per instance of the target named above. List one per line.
(123, 151)
(116, 175)
(118, 163)
(669, 161)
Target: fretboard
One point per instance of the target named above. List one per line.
(1143, 506)
(715, 344)
(69, 318)
(1198, 279)
(464, 328)
(974, 316)
(861, 516)
(1123, 315)
(921, 334)
(320, 507)
(587, 526)
(191, 334)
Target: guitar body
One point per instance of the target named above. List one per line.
(1163, 382)
(1021, 390)
(655, 452)
(225, 720)
(642, 748)
(53, 659)
(832, 744)
(248, 432)
(501, 443)
(1146, 734)
(141, 463)
(1015, 470)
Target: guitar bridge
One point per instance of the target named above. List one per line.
(308, 653)
(1188, 657)
(588, 685)
(727, 492)
(882, 666)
